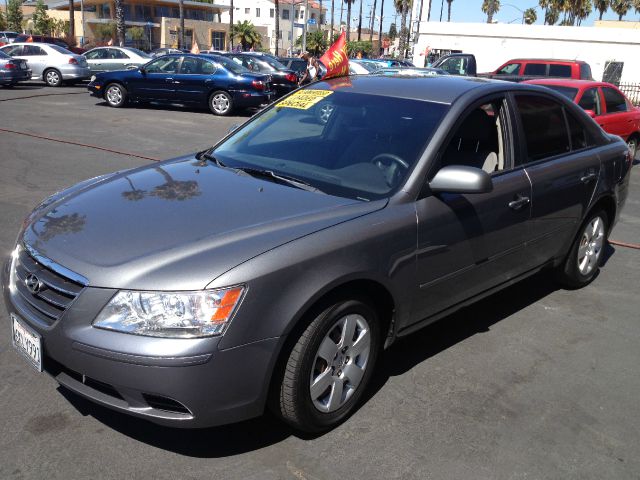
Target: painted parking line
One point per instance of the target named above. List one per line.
(80, 144)
(41, 95)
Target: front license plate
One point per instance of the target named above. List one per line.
(27, 342)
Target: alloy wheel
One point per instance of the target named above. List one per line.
(340, 363)
(52, 78)
(591, 243)
(114, 95)
(220, 103)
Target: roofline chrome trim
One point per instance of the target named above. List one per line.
(59, 269)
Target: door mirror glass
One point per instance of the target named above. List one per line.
(461, 179)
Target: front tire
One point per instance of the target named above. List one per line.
(115, 95)
(220, 103)
(632, 143)
(585, 257)
(330, 366)
(52, 77)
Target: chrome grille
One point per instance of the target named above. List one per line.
(50, 294)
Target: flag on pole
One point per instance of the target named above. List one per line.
(194, 48)
(336, 59)
(30, 39)
(110, 42)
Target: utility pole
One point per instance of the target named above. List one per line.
(304, 28)
(380, 30)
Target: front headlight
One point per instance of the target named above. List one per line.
(170, 314)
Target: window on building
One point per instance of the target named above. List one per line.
(297, 15)
(257, 12)
(614, 100)
(313, 15)
(280, 35)
(285, 14)
(289, 36)
(247, 11)
(217, 40)
(544, 127)
(271, 12)
(302, 13)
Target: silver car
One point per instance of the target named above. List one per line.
(50, 63)
(106, 59)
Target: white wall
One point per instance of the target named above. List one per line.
(494, 44)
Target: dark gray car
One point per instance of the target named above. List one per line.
(274, 267)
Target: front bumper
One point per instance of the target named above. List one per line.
(176, 382)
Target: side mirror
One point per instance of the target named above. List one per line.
(142, 70)
(461, 179)
(591, 113)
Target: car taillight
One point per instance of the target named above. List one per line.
(291, 77)
(73, 61)
(10, 66)
(258, 85)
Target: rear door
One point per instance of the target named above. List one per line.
(195, 80)
(36, 57)
(616, 117)
(558, 157)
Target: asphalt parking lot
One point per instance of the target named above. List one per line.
(534, 382)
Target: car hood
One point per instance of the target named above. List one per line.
(176, 225)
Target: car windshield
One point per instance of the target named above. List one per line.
(273, 62)
(343, 143)
(60, 49)
(232, 66)
(140, 53)
(568, 92)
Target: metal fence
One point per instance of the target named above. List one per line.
(632, 91)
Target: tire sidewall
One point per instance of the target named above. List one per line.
(46, 74)
(311, 416)
(572, 274)
(229, 99)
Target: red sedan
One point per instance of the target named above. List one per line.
(605, 103)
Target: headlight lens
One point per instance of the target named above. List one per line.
(170, 314)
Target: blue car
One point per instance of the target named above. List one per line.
(13, 70)
(188, 79)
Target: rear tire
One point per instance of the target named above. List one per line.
(220, 103)
(52, 77)
(585, 257)
(329, 367)
(115, 95)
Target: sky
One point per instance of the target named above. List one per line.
(463, 11)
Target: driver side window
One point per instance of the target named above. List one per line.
(480, 140)
(164, 64)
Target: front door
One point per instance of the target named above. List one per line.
(158, 80)
(469, 243)
(195, 80)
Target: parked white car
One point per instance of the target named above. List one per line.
(50, 63)
(107, 59)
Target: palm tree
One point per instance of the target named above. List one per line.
(246, 34)
(349, 2)
(72, 21)
(373, 21)
(175, 189)
(277, 13)
(331, 34)
(316, 42)
(449, 2)
(429, 12)
(120, 28)
(490, 7)
(404, 10)
(544, 5)
(602, 6)
(231, 27)
(530, 16)
(181, 15)
(380, 27)
(621, 7)
(360, 22)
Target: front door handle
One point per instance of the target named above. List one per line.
(169, 79)
(519, 202)
(587, 178)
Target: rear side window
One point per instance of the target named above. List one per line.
(591, 100)
(614, 100)
(585, 71)
(580, 137)
(32, 50)
(561, 71)
(544, 127)
(539, 69)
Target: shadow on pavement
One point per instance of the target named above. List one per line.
(177, 107)
(404, 355)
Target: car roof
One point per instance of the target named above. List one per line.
(567, 82)
(438, 89)
(545, 60)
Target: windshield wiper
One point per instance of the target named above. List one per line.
(280, 178)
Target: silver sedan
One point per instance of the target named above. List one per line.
(50, 63)
(106, 59)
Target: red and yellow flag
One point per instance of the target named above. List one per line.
(336, 59)
(195, 49)
(30, 39)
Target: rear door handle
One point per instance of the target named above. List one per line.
(587, 178)
(519, 202)
(169, 79)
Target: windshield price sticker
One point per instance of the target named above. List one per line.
(304, 99)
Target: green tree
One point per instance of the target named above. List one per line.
(14, 15)
(393, 32)
(41, 21)
(354, 47)
(316, 43)
(402, 7)
(105, 31)
(490, 8)
(3, 22)
(530, 16)
(138, 35)
(246, 33)
(636, 5)
(602, 6)
(621, 7)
